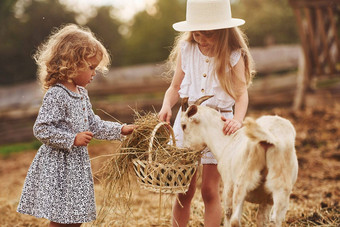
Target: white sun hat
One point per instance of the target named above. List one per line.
(204, 15)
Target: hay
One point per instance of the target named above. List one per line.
(120, 171)
(137, 144)
(138, 141)
(328, 216)
(318, 182)
(116, 180)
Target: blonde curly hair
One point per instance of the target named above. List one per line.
(66, 51)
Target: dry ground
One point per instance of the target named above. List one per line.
(314, 202)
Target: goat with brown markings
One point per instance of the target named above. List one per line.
(257, 163)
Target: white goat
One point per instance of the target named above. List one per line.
(258, 163)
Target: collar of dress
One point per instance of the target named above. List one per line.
(71, 93)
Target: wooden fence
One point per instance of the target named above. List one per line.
(19, 104)
(318, 25)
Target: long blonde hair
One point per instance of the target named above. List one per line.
(66, 51)
(227, 41)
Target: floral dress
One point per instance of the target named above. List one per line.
(59, 182)
(200, 80)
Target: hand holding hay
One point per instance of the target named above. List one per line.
(159, 166)
(128, 129)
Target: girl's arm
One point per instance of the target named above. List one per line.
(46, 128)
(241, 102)
(101, 129)
(171, 95)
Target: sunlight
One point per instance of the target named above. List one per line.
(124, 9)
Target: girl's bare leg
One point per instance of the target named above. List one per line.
(211, 195)
(181, 210)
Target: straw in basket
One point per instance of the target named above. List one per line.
(160, 177)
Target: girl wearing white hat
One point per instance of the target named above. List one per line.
(210, 57)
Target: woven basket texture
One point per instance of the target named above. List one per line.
(163, 177)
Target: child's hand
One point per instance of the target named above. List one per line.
(128, 129)
(83, 138)
(230, 125)
(165, 114)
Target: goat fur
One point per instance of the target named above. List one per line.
(257, 163)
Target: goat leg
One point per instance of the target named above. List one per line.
(263, 214)
(280, 207)
(227, 199)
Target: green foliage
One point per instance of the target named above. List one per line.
(21, 36)
(267, 21)
(19, 147)
(106, 29)
(149, 38)
(152, 35)
(7, 149)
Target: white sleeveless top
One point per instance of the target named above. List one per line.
(200, 80)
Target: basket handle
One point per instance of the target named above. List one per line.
(153, 136)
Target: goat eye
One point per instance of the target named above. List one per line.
(184, 126)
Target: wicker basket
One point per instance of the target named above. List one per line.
(159, 177)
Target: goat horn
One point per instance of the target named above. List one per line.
(202, 99)
(185, 104)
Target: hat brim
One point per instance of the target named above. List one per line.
(183, 26)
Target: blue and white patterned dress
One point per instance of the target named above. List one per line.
(59, 182)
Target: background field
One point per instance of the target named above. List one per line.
(136, 83)
(315, 197)
(314, 201)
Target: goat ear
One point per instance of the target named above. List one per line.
(192, 110)
(185, 104)
(202, 99)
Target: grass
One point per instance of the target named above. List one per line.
(19, 147)
(130, 97)
(8, 149)
(279, 73)
(328, 83)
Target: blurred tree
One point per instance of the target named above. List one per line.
(106, 29)
(24, 33)
(149, 38)
(267, 21)
(6, 7)
(8, 40)
(151, 35)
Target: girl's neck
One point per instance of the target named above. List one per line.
(206, 51)
(71, 86)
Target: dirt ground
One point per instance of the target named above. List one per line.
(314, 201)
